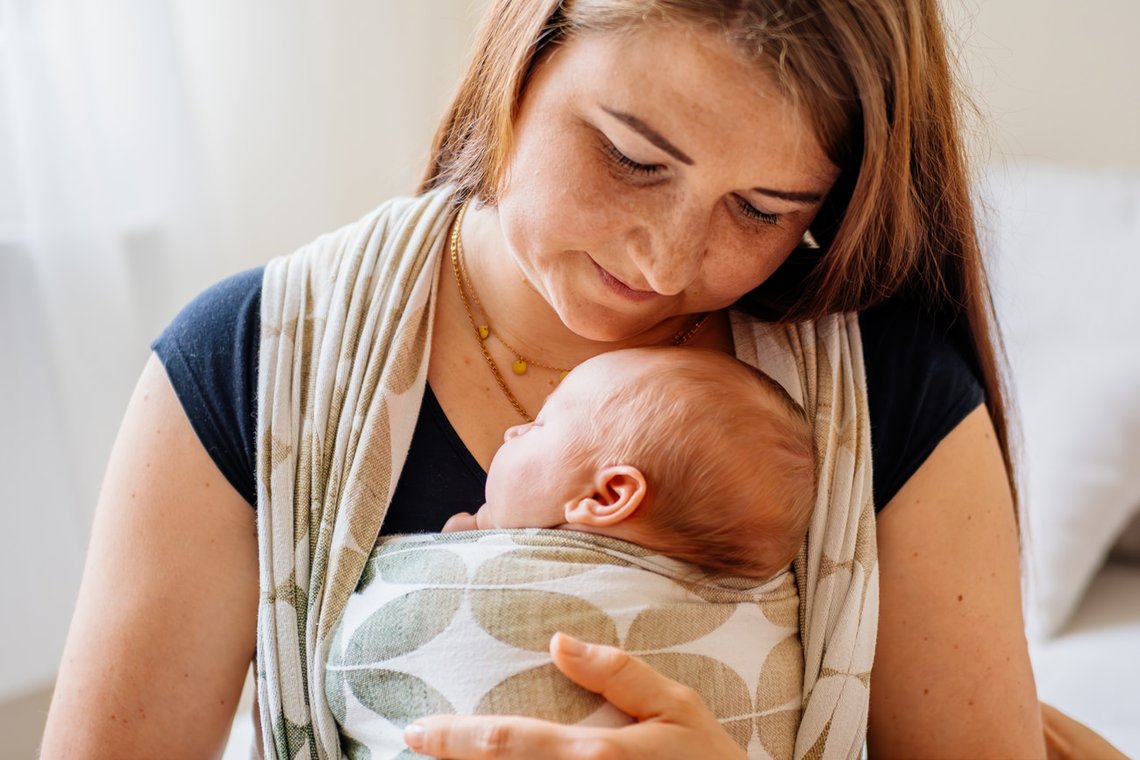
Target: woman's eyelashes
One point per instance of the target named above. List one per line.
(754, 213)
(628, 164)
(637, 170)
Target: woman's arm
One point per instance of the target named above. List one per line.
(165, 624)
(952, 676)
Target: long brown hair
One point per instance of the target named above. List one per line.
(875, 81)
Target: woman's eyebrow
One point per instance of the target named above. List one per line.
(789, 195)
(655, 137)
(650, 134)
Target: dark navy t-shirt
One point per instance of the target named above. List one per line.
(919, 387)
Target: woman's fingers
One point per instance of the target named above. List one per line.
(625, 681)
(477, 737)
(673, 721)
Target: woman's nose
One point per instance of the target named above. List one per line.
(676, 252)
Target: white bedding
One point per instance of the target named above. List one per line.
(1091, 669)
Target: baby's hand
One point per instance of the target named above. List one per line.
(461, 521)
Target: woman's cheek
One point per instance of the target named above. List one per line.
(597, 205)
(757, 254)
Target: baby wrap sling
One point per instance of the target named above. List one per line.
(346, 326)
(461, 623)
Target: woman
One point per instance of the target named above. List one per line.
(628, 167)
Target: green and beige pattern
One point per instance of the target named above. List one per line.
(346, 322)
(461, 623)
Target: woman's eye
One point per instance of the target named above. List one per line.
(628, 163)
(752, 212)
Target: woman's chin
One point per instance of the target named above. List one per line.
(596, 322)
(618, 329)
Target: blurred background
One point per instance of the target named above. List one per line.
(150, 147)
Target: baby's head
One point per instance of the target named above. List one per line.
(688, 452)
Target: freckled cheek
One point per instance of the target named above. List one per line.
(738, 269)
(590, 212)
(556, 207)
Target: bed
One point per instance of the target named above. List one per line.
(1091, 669)
(1064, 247)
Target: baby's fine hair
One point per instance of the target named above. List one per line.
(728, 457)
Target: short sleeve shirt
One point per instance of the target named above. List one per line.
(920, 385)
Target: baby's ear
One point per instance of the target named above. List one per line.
(619, 491)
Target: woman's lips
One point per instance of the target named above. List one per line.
(620, 288)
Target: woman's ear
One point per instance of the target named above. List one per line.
(619, 491)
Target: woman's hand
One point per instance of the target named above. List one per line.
(672, 720)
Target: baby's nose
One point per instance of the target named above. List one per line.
(514, 430)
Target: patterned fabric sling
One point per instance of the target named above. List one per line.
(346, 325)
(461, 623)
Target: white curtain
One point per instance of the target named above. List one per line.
(101, 216)
(148, 148)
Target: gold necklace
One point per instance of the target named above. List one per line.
(520, 364)
(483, 331)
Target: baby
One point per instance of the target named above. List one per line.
(687, 452)
(683, 481)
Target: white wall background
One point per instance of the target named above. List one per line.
(1056, 80)
(296, 118)
(147, 149)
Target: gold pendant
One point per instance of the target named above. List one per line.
(519, 366)
(483, 331)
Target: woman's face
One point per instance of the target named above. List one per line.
(652, 175)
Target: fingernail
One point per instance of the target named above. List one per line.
(414, 735)
(567, 644)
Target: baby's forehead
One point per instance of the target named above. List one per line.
(632, 373)
(598, 381)
(609, 373)
(629, 365)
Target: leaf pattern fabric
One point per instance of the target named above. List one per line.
(488, 652)
(346, 326)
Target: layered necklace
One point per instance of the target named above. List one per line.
(482, 327)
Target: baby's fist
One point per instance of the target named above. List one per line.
(461, 521)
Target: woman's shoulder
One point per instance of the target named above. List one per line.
(920, 385)
(212, 313)
(211, 348)
(210, 353)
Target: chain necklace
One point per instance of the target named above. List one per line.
(520, 364)
(483, 330)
